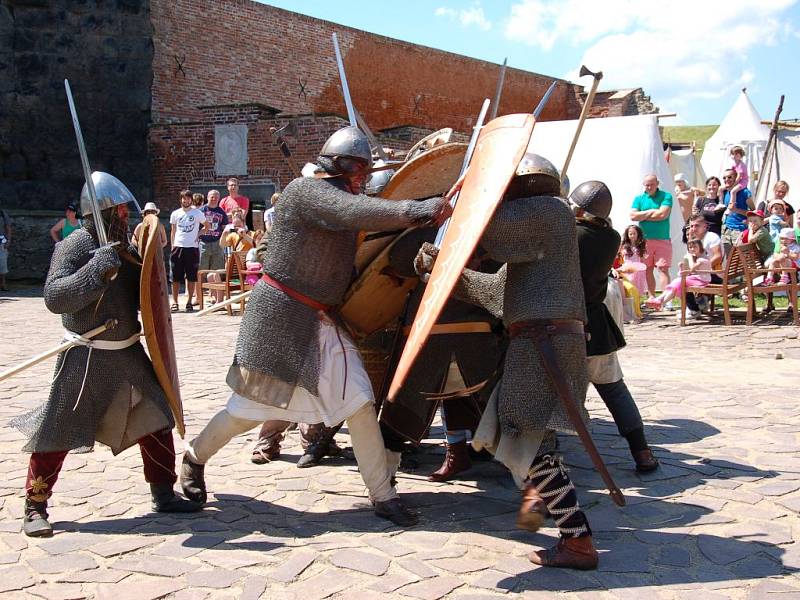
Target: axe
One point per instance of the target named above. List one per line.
(584, 113)
(277, 135)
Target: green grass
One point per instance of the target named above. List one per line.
(686, 134)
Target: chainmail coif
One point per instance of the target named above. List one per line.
(536, 239)
(311, 249)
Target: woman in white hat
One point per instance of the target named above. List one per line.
(149, 209)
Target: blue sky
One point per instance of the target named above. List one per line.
(691, 56)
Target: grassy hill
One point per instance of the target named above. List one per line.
(686, 134)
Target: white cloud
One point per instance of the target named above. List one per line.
(677, 50)
(471, 16)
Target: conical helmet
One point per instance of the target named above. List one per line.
(109, 191)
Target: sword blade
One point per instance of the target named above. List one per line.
(348, 101)
(87, 172)
(467, 158)
(543, 102)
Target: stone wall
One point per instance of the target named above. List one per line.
(105, 49)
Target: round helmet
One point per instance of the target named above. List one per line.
(535, 176)
(346, 151)
(109, 192)
(594, 197)
(378, 180)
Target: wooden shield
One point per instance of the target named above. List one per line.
(501, 145)
(377, 297)
(156, 318)
(432, 173)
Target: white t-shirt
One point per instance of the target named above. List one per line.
(710, 240)
(187, 227)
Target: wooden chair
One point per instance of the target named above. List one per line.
(753, 269)
(233, 282)
(732, 282)
(204, 284)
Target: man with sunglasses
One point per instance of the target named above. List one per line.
(292, 361)
(735, 220)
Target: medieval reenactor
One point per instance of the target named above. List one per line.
(105, 389)
(465, 334)
(292, 361)
(539, 296)
(598, 244)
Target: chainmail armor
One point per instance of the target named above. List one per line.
(536, 239)
(311, 249)
(76, 290)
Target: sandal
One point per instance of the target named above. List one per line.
(174, 307)
(189, 307)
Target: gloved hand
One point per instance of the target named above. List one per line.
(106, 262)
(426, 256)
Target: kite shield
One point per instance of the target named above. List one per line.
(156, 318)
(501, 146)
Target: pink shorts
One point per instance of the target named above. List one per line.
(659, 253)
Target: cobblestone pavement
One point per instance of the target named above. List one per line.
(718, 520)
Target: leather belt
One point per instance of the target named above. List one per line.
(537, 327)
(444, 328)
(541, 332)
(292, 293)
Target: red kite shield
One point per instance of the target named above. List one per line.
(501, 145)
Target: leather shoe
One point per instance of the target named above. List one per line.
(645, 461)
(456, 460)
(35, 523)
(395, 511)
(569, 553)
(165, 500)
(533, 510)
(266, 451)
(193, 480)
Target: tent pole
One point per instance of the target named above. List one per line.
(769, 155)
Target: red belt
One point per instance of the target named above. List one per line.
(300, 297)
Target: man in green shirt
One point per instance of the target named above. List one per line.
(652, 209)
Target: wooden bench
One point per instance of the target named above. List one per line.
(733, 281)
(753, 269)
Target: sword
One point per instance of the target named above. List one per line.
(223, 304)
(467, 158)
(543, 102)
(110, 324)
(348, 101)
(87, 173)
(548, 355)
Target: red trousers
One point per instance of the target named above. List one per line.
(158, 459)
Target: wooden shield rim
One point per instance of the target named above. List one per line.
(168, 380)
(394, 189)
(475, 208)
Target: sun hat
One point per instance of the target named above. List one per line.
(151, 206)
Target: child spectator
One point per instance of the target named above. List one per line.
(788, 257)
(777, 218)
(757, 234)
(198, 200)
(634, 252)
(695, 262)
(742, 177)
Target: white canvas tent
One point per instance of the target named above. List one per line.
(785, 165)
(685, 161)
(619, 151)
(742, 126)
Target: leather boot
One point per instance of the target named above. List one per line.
(532, 511)
(35, 523)
(317, 450)
(395, 511)
(193, 481)
(569, 553)
(165, 500)
(645, 461)
(456, 460)
(267, 450)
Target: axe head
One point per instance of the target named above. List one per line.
(584, 71)
(290, 129)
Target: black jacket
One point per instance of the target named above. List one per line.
(597, 246)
